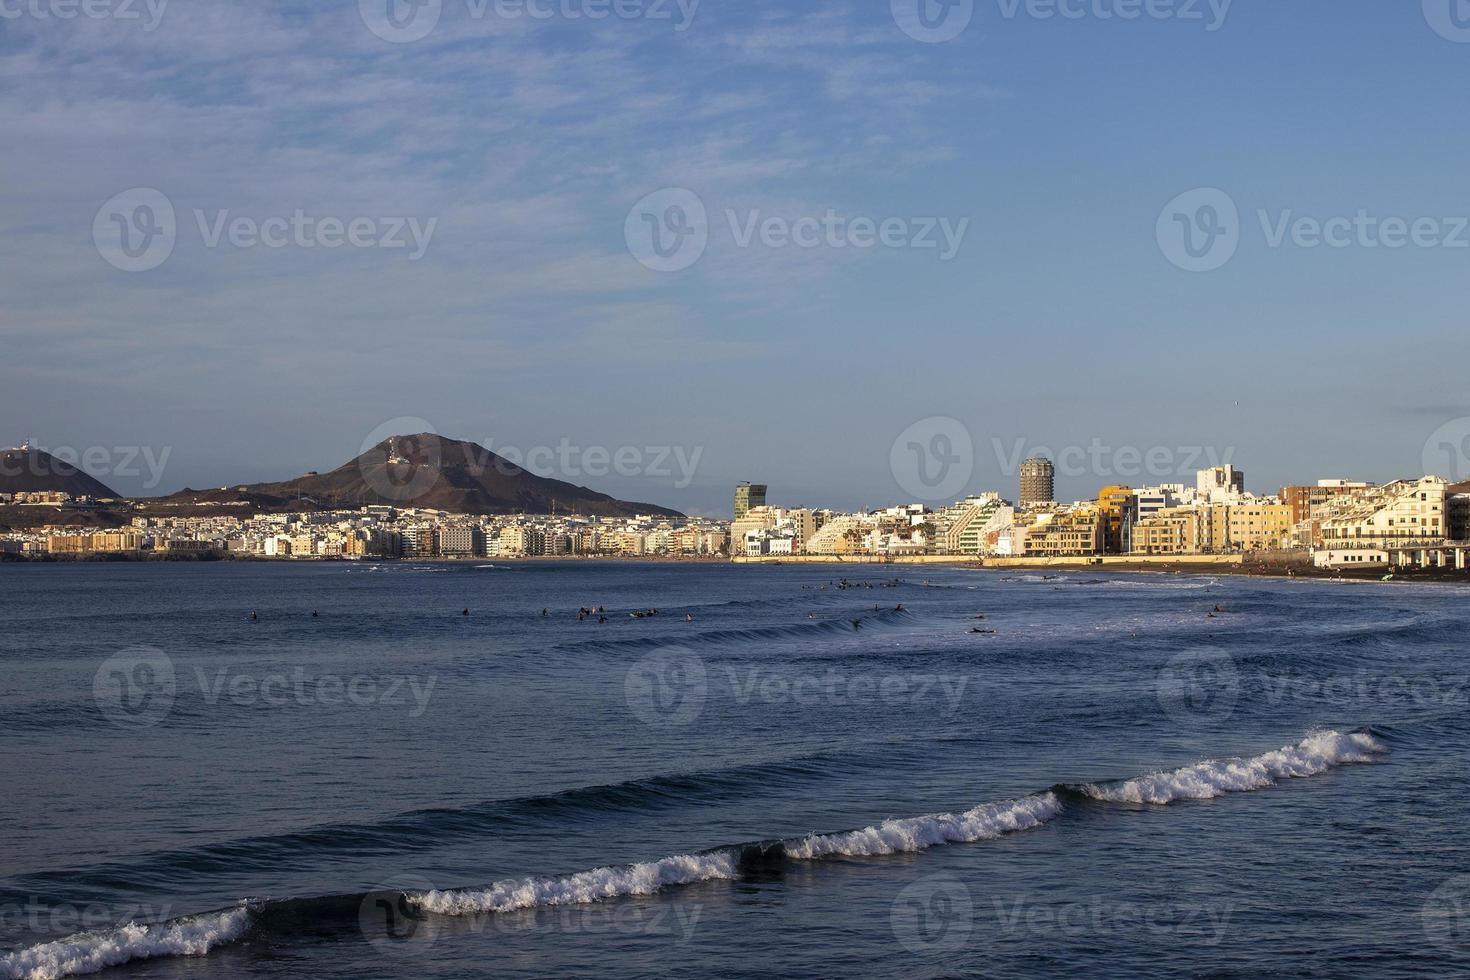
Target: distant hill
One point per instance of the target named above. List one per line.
(427, 471)
(28, 470)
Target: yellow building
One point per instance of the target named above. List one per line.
(1249, 527)
(1172, 531)
(99, 542)
(1067, 534)
(1113, 501)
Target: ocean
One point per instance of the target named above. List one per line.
(781, 772)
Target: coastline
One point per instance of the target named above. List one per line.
(1235, 565)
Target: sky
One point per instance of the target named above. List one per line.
(863, 252)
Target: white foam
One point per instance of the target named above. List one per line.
(581, 888)
(985, 822)
(90, 952)
(1207, 780)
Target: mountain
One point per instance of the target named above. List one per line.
(428, 471)
(27, 470)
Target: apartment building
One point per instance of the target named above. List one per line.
(1403, 513)
(1067, 534)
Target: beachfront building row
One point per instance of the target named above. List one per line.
(1215, 515)
(383, 532)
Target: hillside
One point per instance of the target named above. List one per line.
(28, 470)
(427, 471)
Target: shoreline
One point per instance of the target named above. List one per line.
(1234, 565)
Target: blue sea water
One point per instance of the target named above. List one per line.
(777, 774)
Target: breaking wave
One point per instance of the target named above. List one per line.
(985, 822)
(196, 935)
(1207, 780)
(91, 952)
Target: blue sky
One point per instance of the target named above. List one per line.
(1062, 318)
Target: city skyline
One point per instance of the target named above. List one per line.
(534, 144)
(686, 479)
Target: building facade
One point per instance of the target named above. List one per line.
(747, 497)
(1038, 482)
